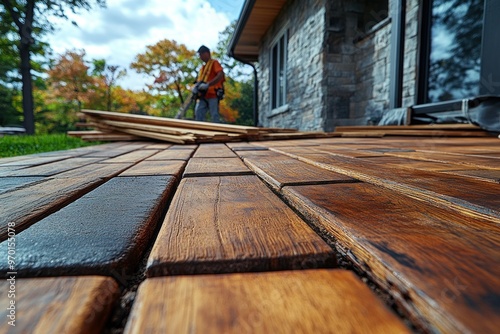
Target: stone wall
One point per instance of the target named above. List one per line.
(338, 64)
(305, 22)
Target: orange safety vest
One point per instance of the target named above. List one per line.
(207, 73)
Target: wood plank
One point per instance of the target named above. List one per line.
(305, 301)
(149, 167)
(101, 233)
(54, 168)
(59, 305)
(396, 162)
(10, 183)
(441, 266)
(213, 151)
(171, 122)
(133, 157)
(472, 197)
(459, 127)
(115, 151)
(161, 136)
(233, 224)
(489, 175)
(215, 167)
(27, 205)
(279, 171)
(30, 161)
(172, 155)
(466, 160)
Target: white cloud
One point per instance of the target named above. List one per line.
(122, 30)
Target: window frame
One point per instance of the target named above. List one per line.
(278, 62)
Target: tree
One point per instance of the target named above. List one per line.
(172, 67)
(28, 16)
(108, 75)
(69, 78)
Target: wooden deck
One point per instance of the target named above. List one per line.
(330, 235)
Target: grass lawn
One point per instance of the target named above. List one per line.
(20, 145)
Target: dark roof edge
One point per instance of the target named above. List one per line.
(242, 21)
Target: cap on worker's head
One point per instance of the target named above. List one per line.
(203, 48)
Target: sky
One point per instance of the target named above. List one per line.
(124, 28)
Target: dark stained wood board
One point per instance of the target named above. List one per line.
(233, 224)
(281, 171)
(213, 151)
(215, 167)
(10, 183)
(101, 233)
(472, 197)
(37, 200)
(301, 301)
(442, 266)
(65, 305)
(489, 175)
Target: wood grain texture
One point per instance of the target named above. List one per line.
(172, 155)
(467, 195)
(215, 167)
(489, 175)
(406, 163)
(28, 160)
(105, 232)
(442, 266)
(303, 301)
(54, 168)
(150, 167)
(213, 151)
(59, 305)
(279, 171)
(467, 160)
(134, 156)
(231, 224)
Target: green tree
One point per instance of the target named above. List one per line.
(29, 19)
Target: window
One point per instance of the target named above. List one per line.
(455, 49)
(278, 71)
(459, 51)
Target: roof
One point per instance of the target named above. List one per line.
(255, 19)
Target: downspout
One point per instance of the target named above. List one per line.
(255, 88)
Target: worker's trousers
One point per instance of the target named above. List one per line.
(207, 104)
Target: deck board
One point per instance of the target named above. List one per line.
(215, 167)
(233, 224)
(153, 167)
(59, 305)
(307, 301)
(101, 233)
(473, 197)
(213, 151)
(280, 171)
(431, 258)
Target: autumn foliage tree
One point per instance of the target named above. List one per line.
(70, 79)
(171, 67)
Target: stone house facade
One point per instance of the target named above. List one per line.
(325, 63)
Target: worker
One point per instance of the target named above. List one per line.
(209, 87)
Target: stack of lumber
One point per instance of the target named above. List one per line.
(113, 126)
